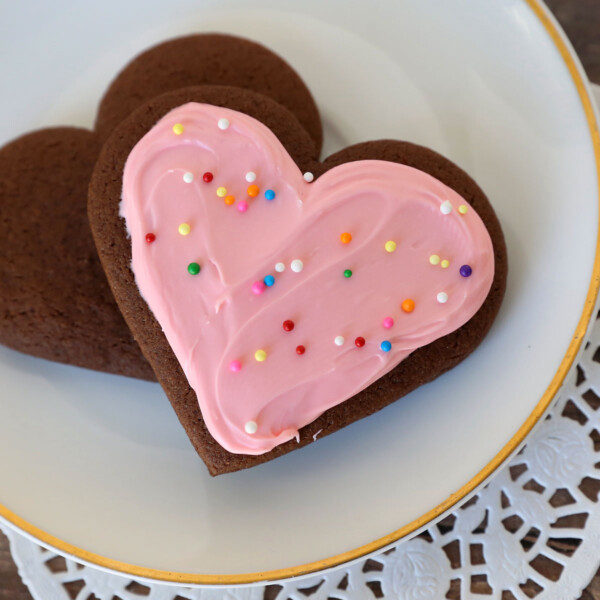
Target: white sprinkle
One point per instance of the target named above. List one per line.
(188, 177)
(339, 340)
(223, 123)
(308, 176)
(316, 435)
(446, 207)
(442, 297)
(250, 176)
(280, 267)
(251, 427)
(297, 265)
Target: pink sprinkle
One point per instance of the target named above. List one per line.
(242, 206)
(235, 366)
(258, 287)
(388, 322)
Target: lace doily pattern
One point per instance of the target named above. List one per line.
(533, 532)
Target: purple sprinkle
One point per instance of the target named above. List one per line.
(465, 271)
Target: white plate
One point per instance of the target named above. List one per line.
(101, 463)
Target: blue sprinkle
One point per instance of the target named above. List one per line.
(466, 271)
(386, 346)
(270, 195)
(269, 280)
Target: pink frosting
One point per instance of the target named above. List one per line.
(216, 320)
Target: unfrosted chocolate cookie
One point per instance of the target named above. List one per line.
(115, 250)
(207, 59)
(54, 299)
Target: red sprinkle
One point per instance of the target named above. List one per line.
(288, 325)
(300, 349)
(359, 342)
(150, 237)
(208, 177)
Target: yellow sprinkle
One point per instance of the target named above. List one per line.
(229, 200)
(178, 129)
(260, 355)
(184, 229)
(462, 209)
(390, 246)
(221, 192)
(434, 259)
(445, 264)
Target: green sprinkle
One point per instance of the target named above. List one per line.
(193, 268)
(347, 273)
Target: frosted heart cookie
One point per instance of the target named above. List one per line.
(54, 299)
(277, 298)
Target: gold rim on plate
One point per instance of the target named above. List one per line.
(513, 444)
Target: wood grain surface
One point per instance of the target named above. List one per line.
(581, 21)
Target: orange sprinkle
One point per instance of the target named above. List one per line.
(408, 305)
(253, 190)
(345, 238)
(229, 200)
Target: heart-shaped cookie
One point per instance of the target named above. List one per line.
(54, 299)
(276, 304)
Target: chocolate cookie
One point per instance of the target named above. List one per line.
(207, 59)
(285, 332)
(54, 299)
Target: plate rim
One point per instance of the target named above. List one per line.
(569, 57)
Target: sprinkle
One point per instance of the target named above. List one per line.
(251, 427)
(462, 209)
(242, 206)
(250, 176)
(178, 129)
(300, 349)
(386, 345)
(269, 280)
(388, 322)
(193, 268)
(288, 325)
(208, 177)
(221, 192)
(442, 297)
(260, 355)
(253, 190)
(345, 238)
(308, 177)
(258, 287)
(297, 265)
(465, 271)
(188, 177)
(445, 264)
(434, 259)
(223, 123)
(150, 237)
(446, 207)
(339, 340)
(229, 200)
(235, 366)
(408, 305)
(184, 229)
(269, 195)
(359, 342)
(347, 273)
(390, 246)
(280, 267)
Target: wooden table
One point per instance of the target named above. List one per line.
(581, 21)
